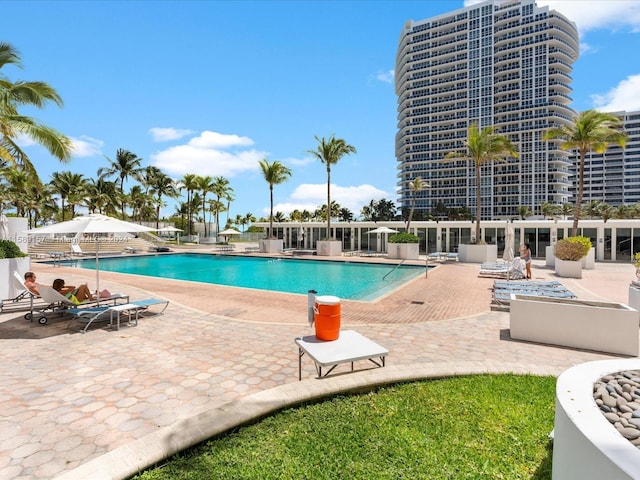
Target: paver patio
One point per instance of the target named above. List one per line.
(70, 398)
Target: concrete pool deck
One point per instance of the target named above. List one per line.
(102, 405)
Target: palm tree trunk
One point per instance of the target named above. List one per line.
(478, 200)
(328, 202)
(271, 212)
(577, 208)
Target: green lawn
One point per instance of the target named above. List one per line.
(477, 427)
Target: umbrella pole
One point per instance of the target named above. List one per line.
(97, 270)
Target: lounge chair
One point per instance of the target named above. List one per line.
(510, 271)
(502, 291)
(58, 304)
(156, 248)
(90, 315)
(76, 250)
(23, 300)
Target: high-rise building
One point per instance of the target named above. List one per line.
(505, 64)
(613, 177)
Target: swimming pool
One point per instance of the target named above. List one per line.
(348, 280)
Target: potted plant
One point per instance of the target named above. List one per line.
(12, 259)
(569, 253)
(636, 263)
(403, 245)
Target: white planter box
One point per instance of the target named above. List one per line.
(601, 326)
(329, 248)
(585, 444)
(477, 253)
(7, 267)
(634, 297)
(589, 262)
(271, 245)
(407, 251)
(568, 268)
(549, 256)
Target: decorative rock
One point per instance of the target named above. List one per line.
(630, 433)
(626, 409)
(612, 417)
(609, 401)
(618, 397)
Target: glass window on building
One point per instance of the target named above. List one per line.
(623, 244)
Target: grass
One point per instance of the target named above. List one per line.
(477, 427)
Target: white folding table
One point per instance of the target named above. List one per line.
(349, 347)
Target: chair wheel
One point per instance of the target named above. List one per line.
(42, 320)
(28, 316)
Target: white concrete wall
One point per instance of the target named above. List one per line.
(601, 326)
(586, 446)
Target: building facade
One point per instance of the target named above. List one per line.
(613, 177)
(505, 64)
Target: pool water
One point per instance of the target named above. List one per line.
(355, 281)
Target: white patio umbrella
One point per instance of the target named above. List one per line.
(228, 232)
(384, 230)
(91, 224)
(4, 227)
(509, 235)
(171, 230)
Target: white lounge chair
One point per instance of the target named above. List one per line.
(58, 304)
(23, 300)
(90, 315)
(510, 271)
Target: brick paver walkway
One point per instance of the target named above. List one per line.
(69, 398)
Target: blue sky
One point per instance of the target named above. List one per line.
(212, 87)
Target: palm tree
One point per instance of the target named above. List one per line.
(274, 173)
(102, 196)
(77, 191)
(549, 210)
(524, 211)
(483, 146)
(221, 189)
(205, 185)
(126, 164)
(162, 185)
(248, 218)
(591, 131)
(62, 185)
(329, 152)
(416, 185)
(189, 183)
(13, 96)
(18, 180)
(566, 209)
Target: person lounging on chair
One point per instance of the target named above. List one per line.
(24, 298)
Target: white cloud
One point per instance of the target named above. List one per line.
(596, 14)
(86, 146)
(386, 77)
(208, 139)
(311, 196)
(168, 134)
(624, 96)
(593, 14)
(210, 153)
(298, 162)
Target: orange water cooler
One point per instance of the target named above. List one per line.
(327, 317)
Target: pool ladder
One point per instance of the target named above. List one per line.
(394, 269)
